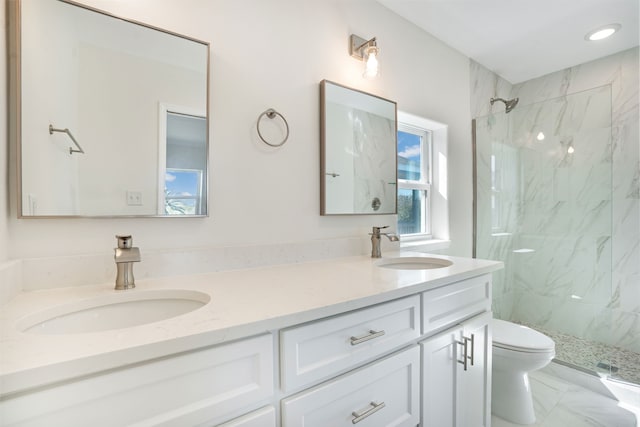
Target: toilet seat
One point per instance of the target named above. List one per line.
(510, 336)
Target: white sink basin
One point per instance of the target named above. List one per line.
(414, 263)
(123, 309)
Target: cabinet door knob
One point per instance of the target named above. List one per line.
(371, 335)
(375, 407)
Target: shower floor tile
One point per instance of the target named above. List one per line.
(558, 403)
(587, 355)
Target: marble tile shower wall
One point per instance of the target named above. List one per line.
(609, 308)
(366, 168)
(618, 323)
(563, 263)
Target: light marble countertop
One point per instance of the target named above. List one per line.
(243, 303)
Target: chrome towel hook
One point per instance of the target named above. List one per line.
(271, 113)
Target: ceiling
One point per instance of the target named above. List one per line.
(521, 40)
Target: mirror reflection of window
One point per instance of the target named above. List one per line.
(184, 175)
(183, 191)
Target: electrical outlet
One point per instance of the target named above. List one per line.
(134, 198)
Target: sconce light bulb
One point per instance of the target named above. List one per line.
(570, 150)
(540, 136)
(371, 64)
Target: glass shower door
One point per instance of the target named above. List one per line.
(543, 206)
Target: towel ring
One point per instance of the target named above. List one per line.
(271, 113)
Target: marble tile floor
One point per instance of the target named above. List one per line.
(587, 355)
(559, 403)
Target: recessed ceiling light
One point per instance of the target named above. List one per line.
(602, 32)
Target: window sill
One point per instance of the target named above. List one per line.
(423, 244)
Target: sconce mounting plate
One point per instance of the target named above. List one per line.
(356, 42)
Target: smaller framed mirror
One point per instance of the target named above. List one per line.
(358, 160)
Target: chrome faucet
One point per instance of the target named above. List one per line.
(125, 256)
(375, 240)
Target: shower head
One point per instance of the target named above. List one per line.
(509, 104)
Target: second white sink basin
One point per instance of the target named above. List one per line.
(123, 309)
(414, 263)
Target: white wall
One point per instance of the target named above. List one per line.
(274, 54)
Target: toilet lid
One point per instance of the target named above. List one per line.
(519, 338)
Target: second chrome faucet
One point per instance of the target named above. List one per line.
(375, 240)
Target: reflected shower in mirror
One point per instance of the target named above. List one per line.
(358, 152)
(111, 83)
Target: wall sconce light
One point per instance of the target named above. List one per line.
(365, 50)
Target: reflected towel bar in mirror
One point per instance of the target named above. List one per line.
(68, 132)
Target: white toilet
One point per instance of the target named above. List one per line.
(517, 350)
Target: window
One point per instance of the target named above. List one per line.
(182, 192)
(423, 212)
(414, 180)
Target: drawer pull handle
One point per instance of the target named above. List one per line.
(371, 335)
(472, 348)
(375, 407)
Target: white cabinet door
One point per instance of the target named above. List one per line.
(439, 379)
(385, 393)
(455, 393)
(474, 394)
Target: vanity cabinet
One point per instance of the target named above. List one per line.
(456, 363)
(421, 358)
(455, 323)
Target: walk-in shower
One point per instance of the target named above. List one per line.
(543, 206)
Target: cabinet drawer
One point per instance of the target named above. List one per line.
(451, 304)
(385, 393)
(324, 348)
(210, 385)
(265, 417)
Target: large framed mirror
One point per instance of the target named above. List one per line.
(358, 137)
(111, 116)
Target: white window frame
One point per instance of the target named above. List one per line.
(424, 183)
(437, 190)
